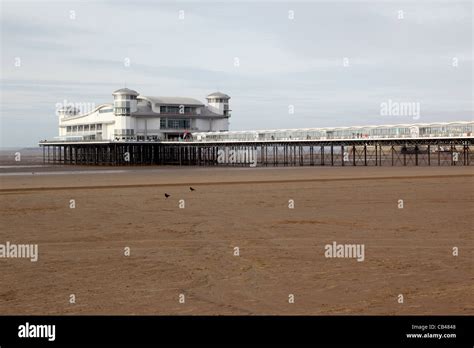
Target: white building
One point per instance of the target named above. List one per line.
(136, 117)
(455, 129)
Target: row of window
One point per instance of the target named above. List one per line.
(217, 100)
(84, 128)
(363, 133)
(122, 104)
(125, 97)
(454, 129)
(101, 111)
(123, 132)
(173, 123)
(387, 132)
(181, 109)
(122, 111)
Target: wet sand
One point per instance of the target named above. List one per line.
(190, 251)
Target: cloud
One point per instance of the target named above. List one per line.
(282, 61)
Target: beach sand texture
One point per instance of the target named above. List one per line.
(190, 250)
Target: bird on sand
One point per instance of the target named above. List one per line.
(167, 195)
(192, 189)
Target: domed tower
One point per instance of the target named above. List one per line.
(219, 103)
(125, 102)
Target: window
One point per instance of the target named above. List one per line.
(121, 111)
(165, 109)
(105, 110)
(123, 132)
(122, 104)
(175, 123)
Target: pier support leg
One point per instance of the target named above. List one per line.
(332, 154)
(343, 155)
(365, 155)
(376, 155)
(416, 155)
(429, 155)
(439, 155)
(354, 155)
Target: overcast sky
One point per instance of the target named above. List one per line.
(79, 57)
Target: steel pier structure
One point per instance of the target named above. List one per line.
(447, 151)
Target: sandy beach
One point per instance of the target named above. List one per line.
(190, 250)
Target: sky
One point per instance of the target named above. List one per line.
(285, 64)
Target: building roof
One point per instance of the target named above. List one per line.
(125, 91)
(173, 101)
(218, 95)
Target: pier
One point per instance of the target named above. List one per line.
(449, 151)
